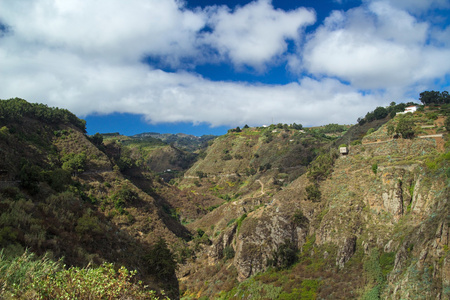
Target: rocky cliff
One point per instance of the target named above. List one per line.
(381, 225)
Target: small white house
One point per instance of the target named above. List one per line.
(409, 109)
(343, 150)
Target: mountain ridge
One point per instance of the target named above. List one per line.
(265, 212)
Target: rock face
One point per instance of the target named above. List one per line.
(379, 197)
(346, 251)
(261, 234)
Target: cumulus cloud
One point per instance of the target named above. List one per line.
(87, 88)
(375, 46)
(418, 6)
(87, 56)
(114, 29)
(254, 34)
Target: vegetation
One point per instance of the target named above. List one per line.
(161, 261)
(313, 192)
(322, 166)
(30, 277)
(434, 97)
(93, 200)
(285, 255)
(405, 127)
(16, 109)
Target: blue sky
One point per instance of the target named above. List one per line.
(202, 67)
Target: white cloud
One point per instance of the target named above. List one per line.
(87, 88)
(418, 6)
(112, 29)
(256, 33)
(375, 47)
(86, 56)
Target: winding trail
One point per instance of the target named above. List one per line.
(262, 186)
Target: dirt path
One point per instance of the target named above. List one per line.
(262, 186)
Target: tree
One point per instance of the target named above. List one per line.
(161, 261)
(380, 113)
(285, 256)
(370, 116)
(405, 128)
(74, 162)
(313, 193)
(434, 97)
(97, 139)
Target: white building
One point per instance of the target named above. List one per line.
(409, 109)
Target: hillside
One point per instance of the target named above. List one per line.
(182, 141)
(378, 227)
(261, 213)
(148, 153)
(61, 195)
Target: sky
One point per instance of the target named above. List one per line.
(204, 66)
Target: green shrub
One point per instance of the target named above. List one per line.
(201, 174)
(30, 277)
(313, 193)
(432, 116)
(226, 156)
(322, 166)
(375, 168)
(200, 232)
(405, 127)
(228, 252)
(285, 256)
(299, 219)
(161, 261)
(74, 162)
(371, 130)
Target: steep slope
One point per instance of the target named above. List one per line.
(148, 153)
(60, 194)
(380, 228)
(183, 141)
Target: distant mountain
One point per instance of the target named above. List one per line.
(180, 140)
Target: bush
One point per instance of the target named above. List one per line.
(313, 193)
(405, 127)
(375, 168)
(226, 156)
(299, 219)
(74, 162)
(59, 179)
(228, 252)
(285, 256)
(322, 166)
(201, 174)
(30, 277)
(371, 130)
(161, 261)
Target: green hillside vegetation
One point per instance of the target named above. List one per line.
(272, 212)
(148, 153)
(181, 141)
(61, 195)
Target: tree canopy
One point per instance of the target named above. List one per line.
(434, 97)
(16, 109)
